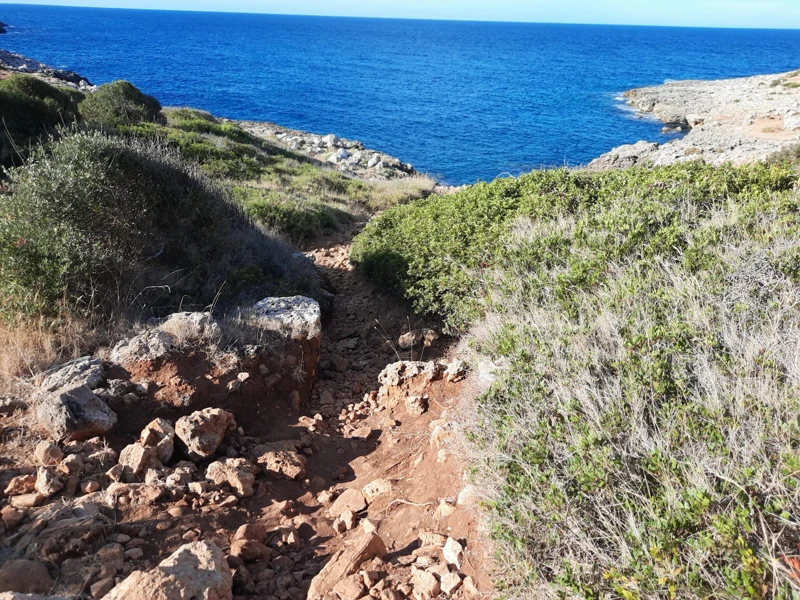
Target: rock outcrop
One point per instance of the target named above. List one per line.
(732, 120)
(22, 64)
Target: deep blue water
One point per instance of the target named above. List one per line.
(461, 100)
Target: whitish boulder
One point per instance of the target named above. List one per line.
(375, 489)
(238, 473)
(178, 329)
(426, 586)
(295, 316)
(86, 370)
(346, 562)
(136, 458)
(350, 500)
(74, 413)
(453, 552)
(191, 327)
(148, 346)
(197, 570)
(204, 430)
(47, 482)
(625, 156)
(791, 121)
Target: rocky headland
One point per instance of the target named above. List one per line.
(732, 120)
(17, 63)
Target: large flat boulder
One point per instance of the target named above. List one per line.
(197, 570)
(86, 370)
(295, 316)
(74, 412)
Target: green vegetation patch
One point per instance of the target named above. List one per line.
(30, 108)
(106, 225)
(642, 436)
(118, 103)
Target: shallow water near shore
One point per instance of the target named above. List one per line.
(460, 100)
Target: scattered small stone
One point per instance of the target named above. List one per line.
(428, 538)
(102, 587)
(89, 486)
(21, 484)
(47, 482)
(426, 586)
(134, 554)
(469, 588)
(12, 517)
(47, 454)
(350, 588)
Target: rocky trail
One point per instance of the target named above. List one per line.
(317, 467)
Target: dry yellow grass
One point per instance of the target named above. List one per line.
(28, 348)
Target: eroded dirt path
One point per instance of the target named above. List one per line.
(361, 458)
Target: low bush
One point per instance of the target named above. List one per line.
(99, 225)
(294, 217)
(642, 437)
(29, 109)
(118, 103)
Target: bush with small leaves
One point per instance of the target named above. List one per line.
(118, 103)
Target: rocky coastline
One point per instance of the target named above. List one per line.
(732, 120)
(11, 62)
(348, 156)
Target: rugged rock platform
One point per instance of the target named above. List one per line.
(732, 120)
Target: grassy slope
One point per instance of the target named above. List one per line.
(642, 438)
(114, 209)
(280, 189)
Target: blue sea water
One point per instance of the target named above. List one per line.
(460, 100)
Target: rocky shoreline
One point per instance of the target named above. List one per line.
(348, 156)
(732, 120)
(18, 63)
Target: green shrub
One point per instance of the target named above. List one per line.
(434, 251)
(298, 219)
(30, 108)
(118, 103)
(103, 225)
(642, 436)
